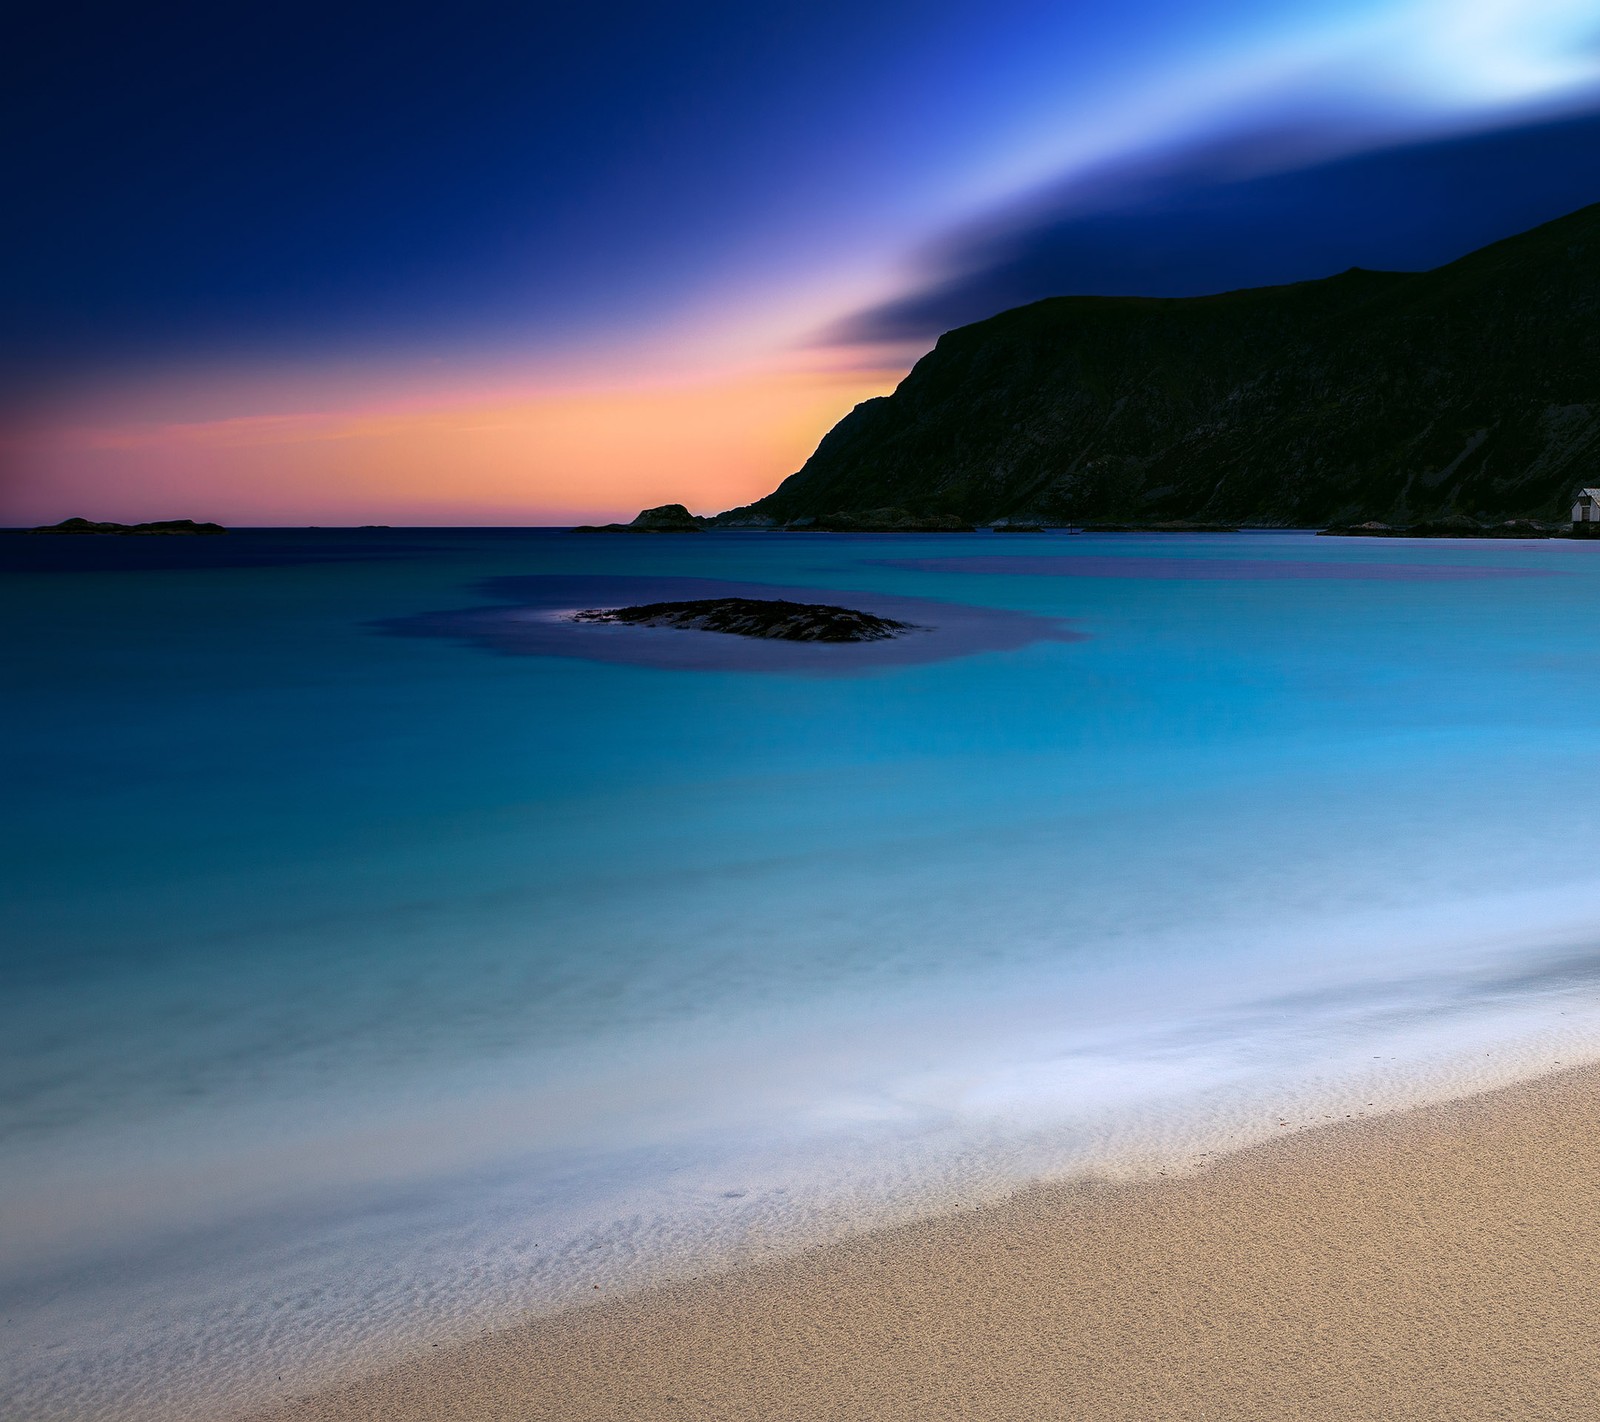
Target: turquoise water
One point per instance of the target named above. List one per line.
(370, 982)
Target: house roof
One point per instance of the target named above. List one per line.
(1589, 494)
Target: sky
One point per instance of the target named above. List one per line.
(516, 263)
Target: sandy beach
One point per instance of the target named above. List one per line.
(1442, 1263)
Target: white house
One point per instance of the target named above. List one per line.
(1587, 508)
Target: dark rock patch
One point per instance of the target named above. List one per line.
(536, 615)
(756, 617)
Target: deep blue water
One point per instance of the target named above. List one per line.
(372, 975)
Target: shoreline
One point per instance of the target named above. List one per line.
(1436, 1262)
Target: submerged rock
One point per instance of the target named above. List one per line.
(756, 617)
(162, 528)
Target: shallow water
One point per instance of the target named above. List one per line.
(370, 980)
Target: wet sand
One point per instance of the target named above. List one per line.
(1443, 1263)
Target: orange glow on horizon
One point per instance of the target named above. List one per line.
(554, 458)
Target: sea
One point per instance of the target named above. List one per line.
(387, 957)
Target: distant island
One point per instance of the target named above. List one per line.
(172, 527)
(756, 617)
(1469, 393)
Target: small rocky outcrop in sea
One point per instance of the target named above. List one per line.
(667, 518)
(756, 617)
(162, 528)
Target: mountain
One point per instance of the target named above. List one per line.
(1472, 389)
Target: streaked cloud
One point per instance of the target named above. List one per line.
(1238, 211)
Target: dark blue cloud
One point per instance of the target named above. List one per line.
(1184, 224)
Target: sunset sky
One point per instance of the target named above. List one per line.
(489, 263)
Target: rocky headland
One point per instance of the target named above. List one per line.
(1469, 392)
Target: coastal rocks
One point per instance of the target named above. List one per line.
(1171, 525)
(1455, 526)
(165, 528)
(666, 518)
(756, 617)
(886, 520)
(742, 518)
(1370, 529)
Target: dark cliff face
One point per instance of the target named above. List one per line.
(1472, 389)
